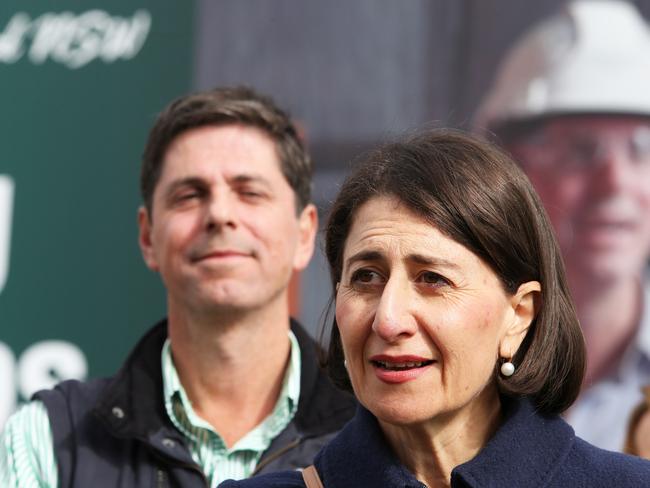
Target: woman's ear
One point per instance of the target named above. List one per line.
(525, 305)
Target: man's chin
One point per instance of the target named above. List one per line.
(221, 295)
(220, 310)
(225, 300)
(234, 296)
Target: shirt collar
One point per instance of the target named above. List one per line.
(180, 412)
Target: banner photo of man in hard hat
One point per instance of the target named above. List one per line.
(571, 102)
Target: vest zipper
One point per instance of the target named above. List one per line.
(175, 462)
(161, 478)
(275, 455)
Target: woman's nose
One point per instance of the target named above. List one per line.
(394, 318)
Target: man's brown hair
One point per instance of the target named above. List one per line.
(223, 106)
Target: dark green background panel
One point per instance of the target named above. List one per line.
(71, 140)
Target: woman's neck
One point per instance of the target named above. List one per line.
(433, 448)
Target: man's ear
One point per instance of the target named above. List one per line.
(307, 227)
(144, 239)
(525, 306)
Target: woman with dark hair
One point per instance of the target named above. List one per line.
(454, 328)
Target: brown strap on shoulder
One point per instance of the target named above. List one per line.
(311, 478)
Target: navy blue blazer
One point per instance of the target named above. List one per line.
(529, 450)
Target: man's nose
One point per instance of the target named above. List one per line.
(614, 170)
(220, 212)
(394, 317)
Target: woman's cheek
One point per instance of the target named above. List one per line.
(349, 306)
(354, 327)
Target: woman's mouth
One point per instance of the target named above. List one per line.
(399, 369)
(401, 366)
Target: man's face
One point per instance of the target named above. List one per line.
(223, 231)
(593, 175)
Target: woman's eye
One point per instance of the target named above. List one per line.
(434, 279)
(366, 277)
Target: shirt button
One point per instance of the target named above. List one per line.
(168, 443)
(118, 412)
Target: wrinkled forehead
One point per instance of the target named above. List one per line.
(389, 215)
(229, 148)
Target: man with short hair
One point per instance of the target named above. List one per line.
(228, 385)
(571, 103)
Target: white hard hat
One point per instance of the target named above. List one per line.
(592, 57)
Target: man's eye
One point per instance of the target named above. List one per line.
(189, 195)
(639, 145)
(433, 279)
(251, 194)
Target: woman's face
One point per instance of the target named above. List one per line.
(422, 319)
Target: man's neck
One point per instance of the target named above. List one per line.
(231, 365)
(609, 313)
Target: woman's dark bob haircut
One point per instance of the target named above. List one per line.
(476, 195)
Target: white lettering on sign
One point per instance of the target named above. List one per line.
(41, 365)
(74, 40)
(6, 211)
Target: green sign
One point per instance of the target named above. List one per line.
(81, 85)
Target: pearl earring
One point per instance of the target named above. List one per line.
(345, 363)
(507, 369)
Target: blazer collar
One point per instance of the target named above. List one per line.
(525, 451)
(360, 456)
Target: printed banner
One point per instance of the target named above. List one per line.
(81, 84)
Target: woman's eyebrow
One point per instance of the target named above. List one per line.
(363, 256)
(413, 257)
(431, 260)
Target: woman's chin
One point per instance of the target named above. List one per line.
(399, 413)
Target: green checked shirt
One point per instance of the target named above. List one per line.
(27, 459)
